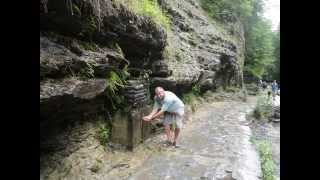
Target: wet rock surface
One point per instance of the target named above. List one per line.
(214, 145)
(269, 131)
(276, 114)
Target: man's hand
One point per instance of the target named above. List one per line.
(147, 118)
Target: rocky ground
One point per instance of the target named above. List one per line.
(269, 130)
(215, 144)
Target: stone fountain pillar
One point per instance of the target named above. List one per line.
(128, 128)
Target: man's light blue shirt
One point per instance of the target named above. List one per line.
(170, 103)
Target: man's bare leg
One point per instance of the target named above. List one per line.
(168, 132)
(176, 134)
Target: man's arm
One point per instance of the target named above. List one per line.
(149, 117)
(163, 109)
(153, 112)
(158, 114)
(155, 109)
(152, 115)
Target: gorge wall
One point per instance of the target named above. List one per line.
(89, 46)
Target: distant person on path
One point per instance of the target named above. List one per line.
(260, 83)
(269, 95)
(274, 88)
(167, 103)
(264, 85)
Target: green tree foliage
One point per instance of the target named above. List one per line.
(259, 48)
(276, 68)
(262, 56)
(273, 70)
(261, 44)
(239, 8)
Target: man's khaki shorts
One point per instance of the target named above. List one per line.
(171, 118)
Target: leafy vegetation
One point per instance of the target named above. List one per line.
(87, 72)
(261, 44)
(187, 98)
(259, 49)
(236, 8)
(263, 108)
(190, 97)
(262, 56)
(149, 8)
(266, 160)
(89, 27)
(196, 90)
(88, 45)
(273, 71)
(115, 46)
(103, 132)
(116, 81)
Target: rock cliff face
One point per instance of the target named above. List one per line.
(201, 50)
(82, 41)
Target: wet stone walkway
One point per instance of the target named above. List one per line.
(215, 145)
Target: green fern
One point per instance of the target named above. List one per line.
(103, 133)
(76, 9)
(116, 81)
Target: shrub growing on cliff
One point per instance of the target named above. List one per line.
(149, 8)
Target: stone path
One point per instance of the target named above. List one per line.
(215, 144)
